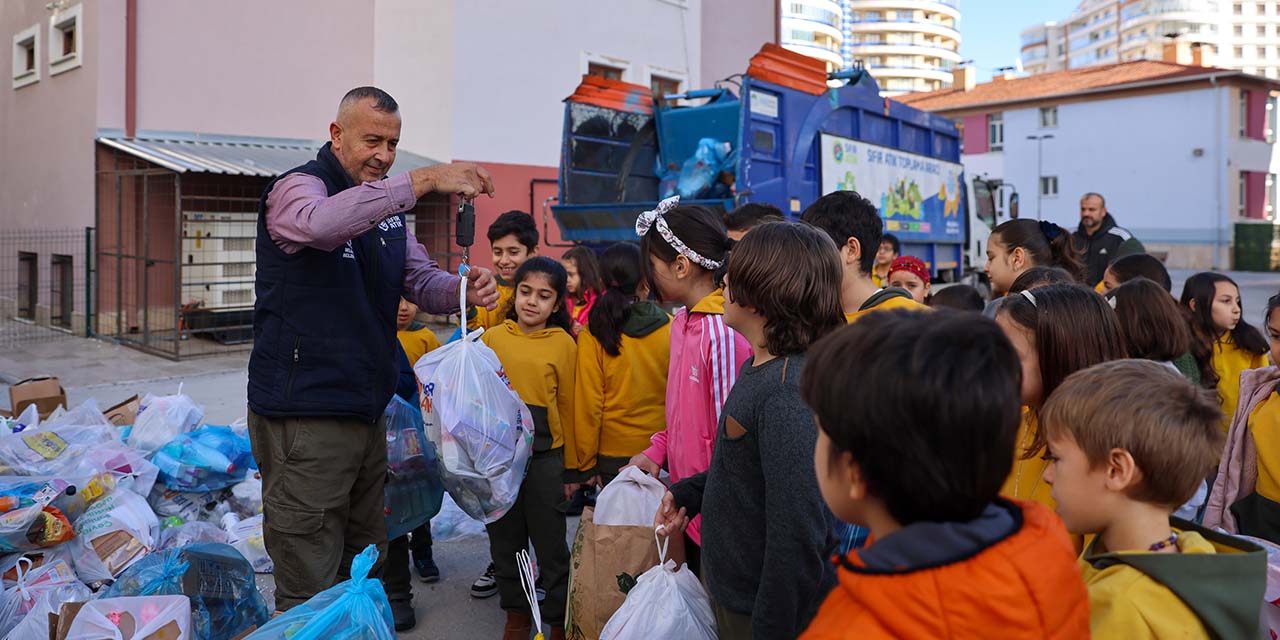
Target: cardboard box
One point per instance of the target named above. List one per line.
(125, 413)
(45, 392)
(60, 623)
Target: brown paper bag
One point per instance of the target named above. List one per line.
(604, 565)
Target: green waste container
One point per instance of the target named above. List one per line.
(1256, 246)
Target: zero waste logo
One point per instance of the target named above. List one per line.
(838, 152)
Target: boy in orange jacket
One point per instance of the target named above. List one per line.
(902, 452)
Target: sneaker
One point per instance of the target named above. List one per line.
(402, 615)
(486, 586)
(537, 589)
(427, 570)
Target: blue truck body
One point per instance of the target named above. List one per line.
(608, 176)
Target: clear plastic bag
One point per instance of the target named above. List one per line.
(64, 587)
(206, 459)
(414, 487)
(189, 506)
(666, 602)
(481, 428)
(452, 523)
(163, 418)
(9, 564)
(191, 533)
(220, 583)
(43, 451)
(133, 619)
(70, 494)
(34, 526)
(45, 587)
(86, 415)
(246, 497)
(117, 531)
(351, 610)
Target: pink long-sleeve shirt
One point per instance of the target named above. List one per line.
(301, 213)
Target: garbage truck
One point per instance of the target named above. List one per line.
(780, 134)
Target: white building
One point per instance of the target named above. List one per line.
(908, 45)
(1181, 153)
(1231, 35)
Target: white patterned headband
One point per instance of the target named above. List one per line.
(657, 219)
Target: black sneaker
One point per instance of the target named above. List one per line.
(402, 614)
(486, 586)
(427, 570)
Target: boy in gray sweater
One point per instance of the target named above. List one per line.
(766, 532)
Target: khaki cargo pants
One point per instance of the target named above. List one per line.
(322, 498)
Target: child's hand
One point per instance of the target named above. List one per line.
(672, 521)
(646, 465)
(595, 482)
(570, 488)
(577, 328)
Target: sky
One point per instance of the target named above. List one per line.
(990, 30)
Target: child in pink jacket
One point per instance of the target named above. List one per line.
(685, 249)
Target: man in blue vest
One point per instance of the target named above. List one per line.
(334, 256)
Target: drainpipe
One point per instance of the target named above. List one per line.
(1219, 169)
(130, 68)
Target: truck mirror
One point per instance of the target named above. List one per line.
(1013, 206)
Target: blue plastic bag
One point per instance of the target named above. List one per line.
(414, 487)
(208, 459)
(225, 601)
(703, 169)
(353, 610)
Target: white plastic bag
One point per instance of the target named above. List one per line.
(202, 506)
(630, 500)
(114, 533)
(666, 602)
(29, 419)
(131, 470)
(25, 608)
(246, 536)
(246, 496)
(163, 418)
(481, 428)
(138, 617)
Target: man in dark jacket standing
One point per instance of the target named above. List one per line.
(1099, 237)
(334, 256)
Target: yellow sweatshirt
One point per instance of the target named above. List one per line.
(620, 401)
(1264, 428)
(1026, 478)
(1229, 361)
(1127, 603)
(418, 343)
(540, 366)
(483, 318)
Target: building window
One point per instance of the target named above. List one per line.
(28, 277)
(1239, 31)
(1048, 117)
(604, 71)
(995, 131)
(1048, 186)
(60, 291)
(1244, 112)
(663, 85)
(1239, 52)
(1270, 209)
(1262, 30)
(1238, 9)
(26, 54)
(1261, 8)
(65, 40)
(1272, 108)
(1242, 189)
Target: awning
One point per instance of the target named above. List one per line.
(185, 152)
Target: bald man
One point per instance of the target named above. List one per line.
(334, 257)
(1100, 238)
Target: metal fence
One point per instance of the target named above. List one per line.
(44, 290)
